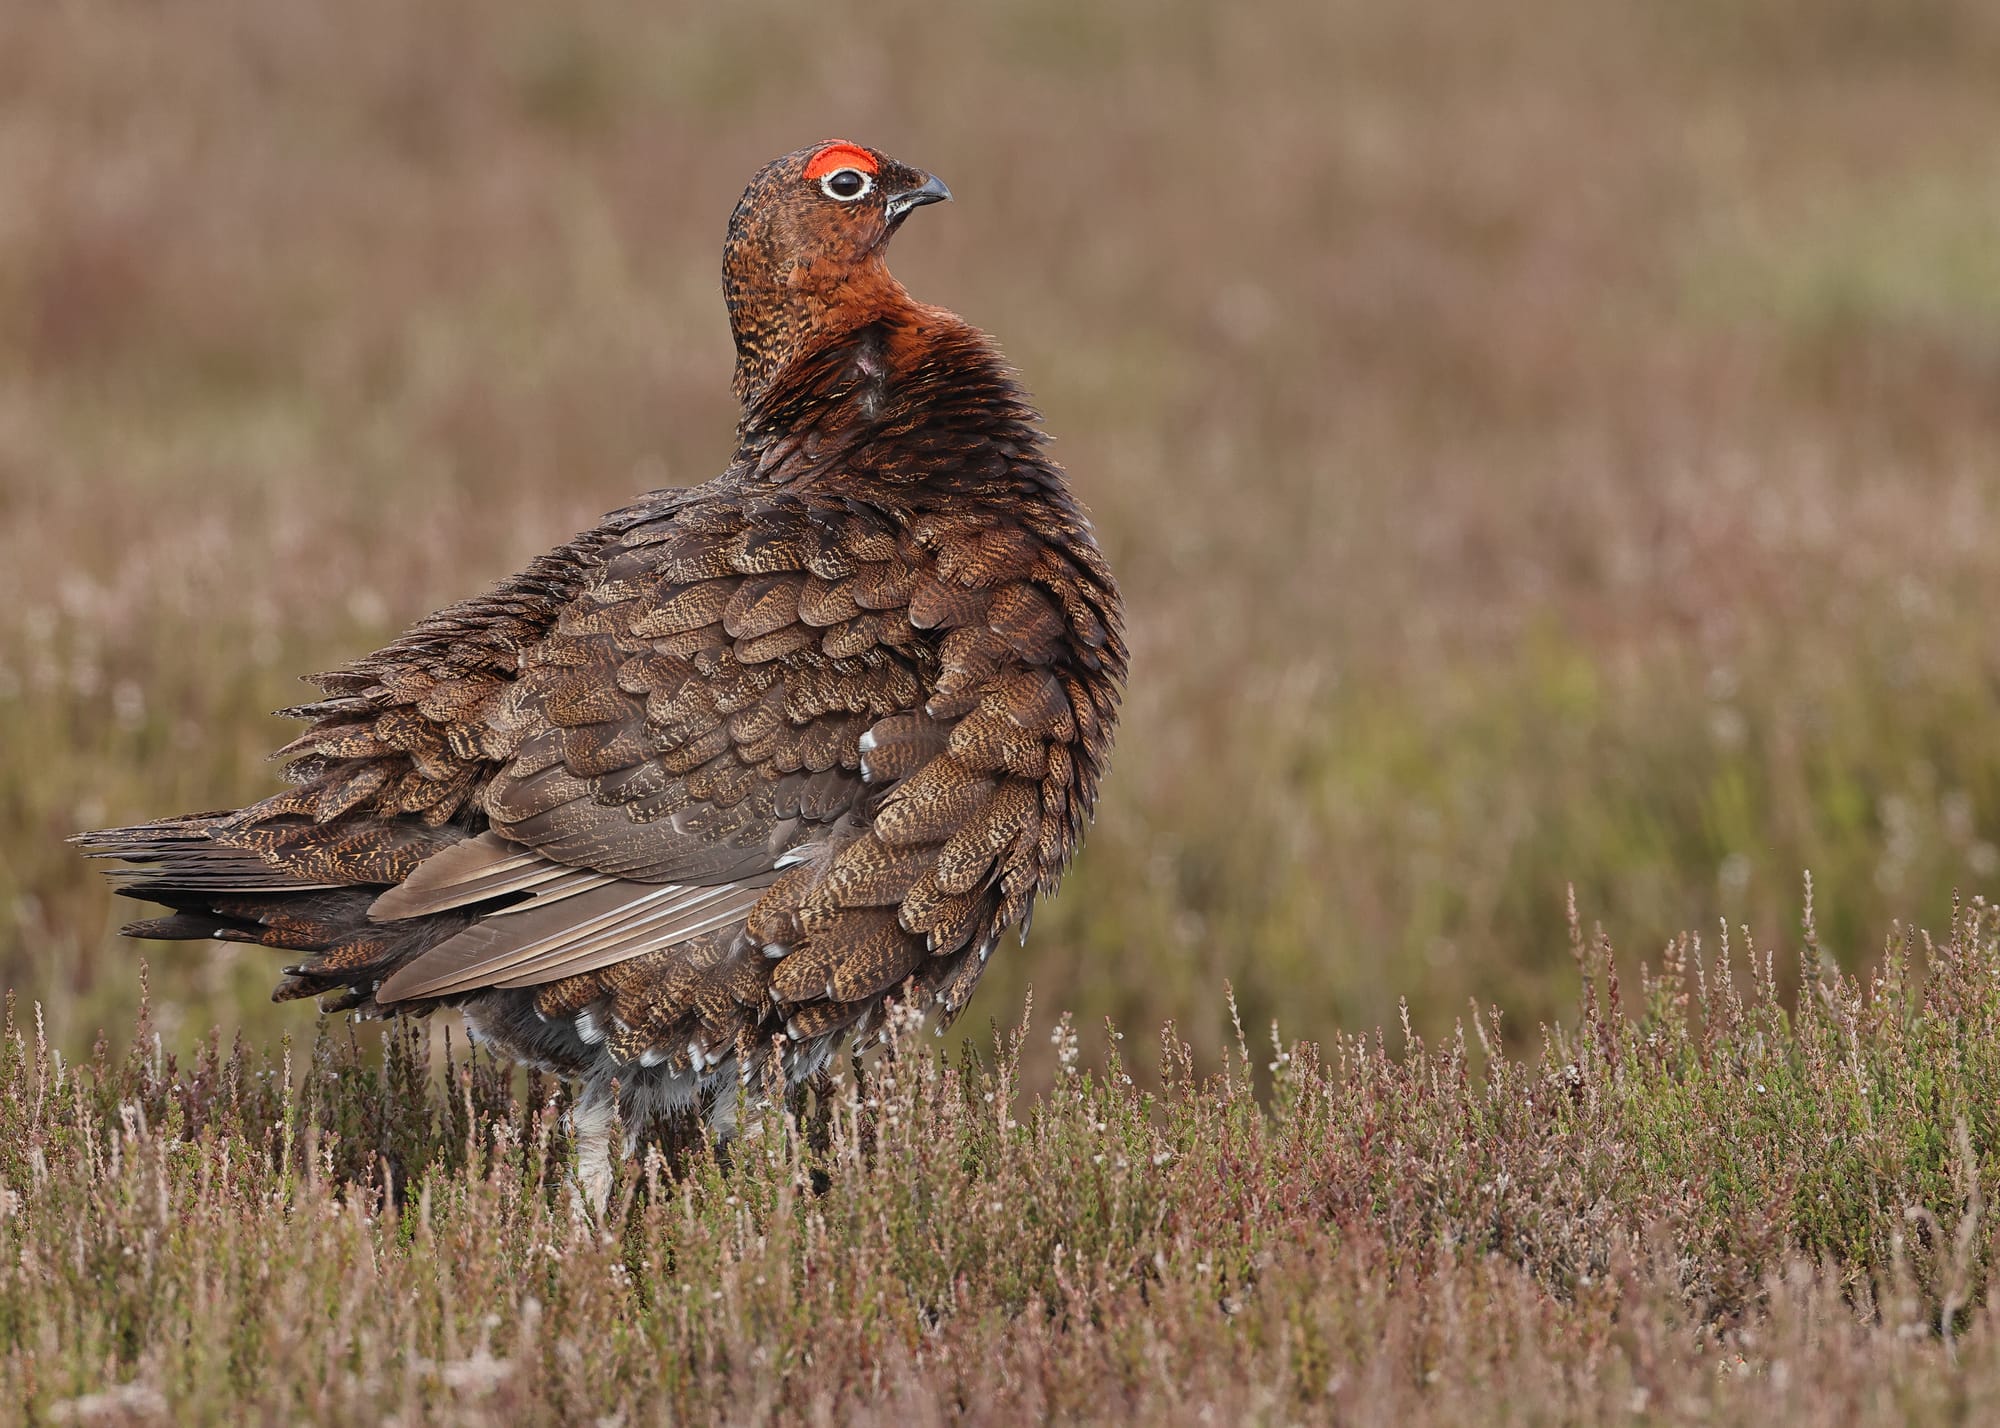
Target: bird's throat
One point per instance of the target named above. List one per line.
(783, 317)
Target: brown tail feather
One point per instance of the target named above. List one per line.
(222, 890)
(184, 854)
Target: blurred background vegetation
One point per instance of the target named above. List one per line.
(1542, 444)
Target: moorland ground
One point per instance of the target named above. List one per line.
(1542, 445)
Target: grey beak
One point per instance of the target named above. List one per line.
(933, 191)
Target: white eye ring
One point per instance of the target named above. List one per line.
(826, 185)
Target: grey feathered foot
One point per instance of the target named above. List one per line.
(590, 1122)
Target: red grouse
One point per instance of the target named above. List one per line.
(697, 794)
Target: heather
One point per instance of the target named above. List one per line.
(1542, 445)
(1694, 1204)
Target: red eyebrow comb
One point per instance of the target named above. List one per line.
(842, 155)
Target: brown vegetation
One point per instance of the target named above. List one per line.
(1694, 1208)
(1540, 443)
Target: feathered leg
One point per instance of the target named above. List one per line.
(590, 1124)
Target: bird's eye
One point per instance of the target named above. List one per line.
(845, 185)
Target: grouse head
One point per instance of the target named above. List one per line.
(803, 263)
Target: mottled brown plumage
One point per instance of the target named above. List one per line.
(690, 797)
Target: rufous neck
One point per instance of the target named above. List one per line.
(781, 315)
